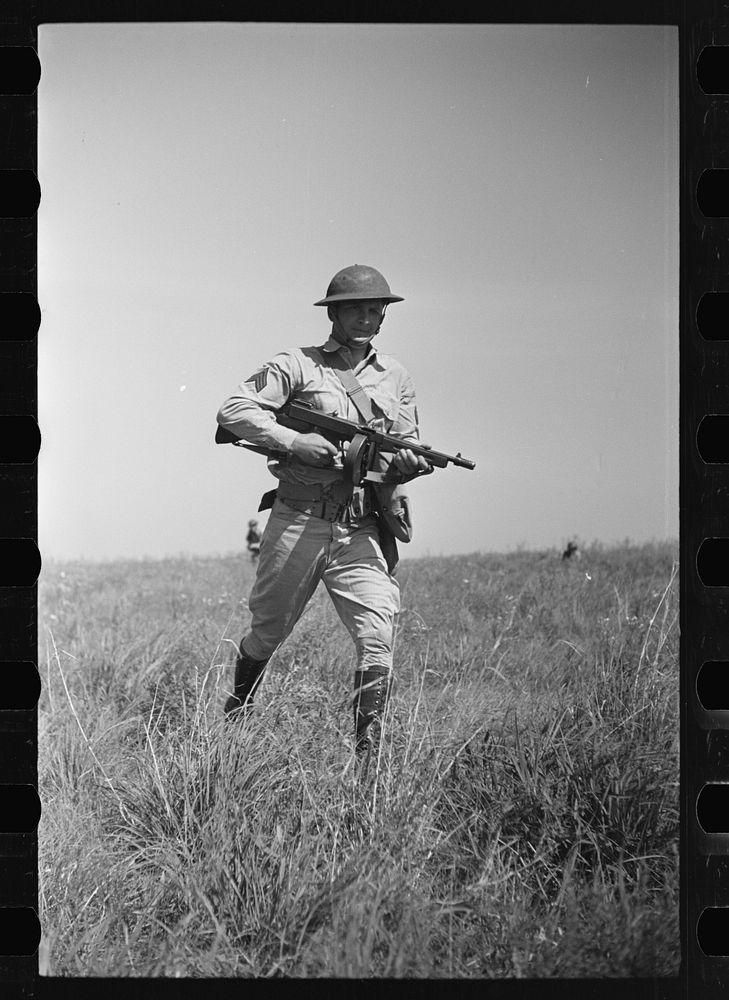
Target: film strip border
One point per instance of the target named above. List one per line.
(19, 447)
(704, 449)
(705, 501)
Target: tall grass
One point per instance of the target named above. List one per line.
(522, 819)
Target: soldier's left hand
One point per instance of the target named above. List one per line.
(410, 463)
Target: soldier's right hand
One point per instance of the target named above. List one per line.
(313, 449)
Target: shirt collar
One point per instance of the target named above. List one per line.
(333, 345)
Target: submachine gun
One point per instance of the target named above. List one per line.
(363, 443)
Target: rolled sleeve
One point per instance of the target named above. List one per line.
(406, 424)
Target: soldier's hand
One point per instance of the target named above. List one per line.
(410, 463)
(313, 449)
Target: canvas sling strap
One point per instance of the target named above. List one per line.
(386, 521)
(352, 385)
(356, 393)
(361, 401)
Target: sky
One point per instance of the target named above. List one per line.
(517, 185)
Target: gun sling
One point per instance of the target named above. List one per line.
(363, 405)
(352, 386)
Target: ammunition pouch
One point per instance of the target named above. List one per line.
(392, 508)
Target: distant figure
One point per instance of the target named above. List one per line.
(572, 551)
(253, 540)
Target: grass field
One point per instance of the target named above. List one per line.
(522, 822)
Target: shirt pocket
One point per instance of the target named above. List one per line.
(386, 406)
(324, 396)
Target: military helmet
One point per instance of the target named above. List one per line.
(358, 282)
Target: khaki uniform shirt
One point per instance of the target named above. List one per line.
(301, 374)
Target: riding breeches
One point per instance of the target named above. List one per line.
(297, 551)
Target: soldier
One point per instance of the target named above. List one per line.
(320, 527)
(572, 551)
(253, 540)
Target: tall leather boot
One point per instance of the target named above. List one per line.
(248, 675)
(371, 689)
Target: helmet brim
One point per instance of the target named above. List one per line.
(349, 297)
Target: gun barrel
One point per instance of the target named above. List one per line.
(438, 458)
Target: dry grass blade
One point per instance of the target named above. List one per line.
(81, 728)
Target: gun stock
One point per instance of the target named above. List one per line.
(223, 436)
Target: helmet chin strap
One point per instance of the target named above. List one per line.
(338, 332)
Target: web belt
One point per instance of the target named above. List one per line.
(330, 501)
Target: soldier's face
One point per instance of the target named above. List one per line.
(358, 321)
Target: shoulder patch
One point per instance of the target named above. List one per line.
(258, 379)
